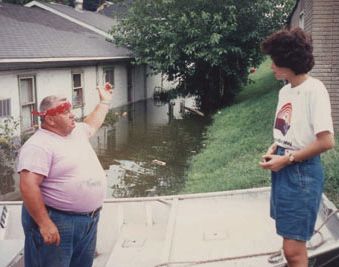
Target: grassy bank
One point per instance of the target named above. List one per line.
(237, 138)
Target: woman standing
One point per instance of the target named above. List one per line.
(302, 130)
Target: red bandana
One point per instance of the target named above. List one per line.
(54, 111)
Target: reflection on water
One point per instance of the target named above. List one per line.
(6, 181)
(9, 189)
(147, 150)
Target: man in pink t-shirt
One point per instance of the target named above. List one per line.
(63, 185)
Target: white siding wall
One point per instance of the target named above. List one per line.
(53, 82)
(9, 89)
(120, 85)
(59, 82)
(139, 84)
(155, 82)
(91, 97)
(321, 20)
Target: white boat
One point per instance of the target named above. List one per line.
(230, 228)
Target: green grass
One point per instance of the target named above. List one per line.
(330, 161)
(261, 82)
(237, 138)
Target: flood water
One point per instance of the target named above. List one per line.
(145, 150)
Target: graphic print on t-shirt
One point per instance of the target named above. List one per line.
(283, 120)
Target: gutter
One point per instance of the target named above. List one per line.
(61, 59)
(288, 22)
(39, 63)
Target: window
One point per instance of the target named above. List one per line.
(27, 102)
(109, 75)
(5, 108)
(77, 93)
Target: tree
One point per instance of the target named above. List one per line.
(9, 146)
(208, 45)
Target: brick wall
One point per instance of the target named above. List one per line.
(321, 19)
(335, 61)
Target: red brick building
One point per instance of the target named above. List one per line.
(321, 19)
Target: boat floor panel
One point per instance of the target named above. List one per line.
(213, 227)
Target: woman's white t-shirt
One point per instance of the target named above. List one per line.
(302, 112)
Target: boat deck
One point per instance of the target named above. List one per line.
(206, 228)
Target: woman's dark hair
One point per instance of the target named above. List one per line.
(290, 49)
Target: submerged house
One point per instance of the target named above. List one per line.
(321, 19)
(49, 48)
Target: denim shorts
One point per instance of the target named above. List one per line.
(295, 197)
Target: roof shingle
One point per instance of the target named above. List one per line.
(97, 20)
(36, 33)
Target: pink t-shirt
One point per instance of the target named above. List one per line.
(74, 178)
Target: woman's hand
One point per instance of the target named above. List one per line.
(274, 162)
(271, 150)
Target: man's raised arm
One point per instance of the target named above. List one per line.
(97, 116)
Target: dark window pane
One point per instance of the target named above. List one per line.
(109, 76)
(76, 80)
(26, 90)
(5, 107)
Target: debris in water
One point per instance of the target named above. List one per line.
(159, 162)
(195, 111)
